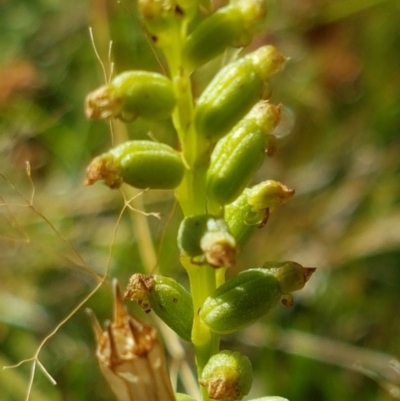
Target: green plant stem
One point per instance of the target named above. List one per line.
(191, 195)
(191, 192)
(203, 280)
(195, 150)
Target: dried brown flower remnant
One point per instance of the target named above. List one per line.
(131, 357)
(104, 167)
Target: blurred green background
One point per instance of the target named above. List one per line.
(339, 148)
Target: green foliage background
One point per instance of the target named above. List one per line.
(339, 149)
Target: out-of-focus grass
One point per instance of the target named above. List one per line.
(341, 92)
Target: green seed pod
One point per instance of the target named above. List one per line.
(142, 164)
(190, 232)
(132, 94)
(240, 301)
(253, 207)
(233, 91)
(253, 12)
(250, 295)
(167, 298)
(234, 162)
(291, 276)
(227, 99)
(268, 194)
(227, 376)
(238, 155)
(231, 26)
(243, 220)
(267, 60)
(212, 36)
(206, 238)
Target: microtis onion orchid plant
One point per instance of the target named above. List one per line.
(224, 136)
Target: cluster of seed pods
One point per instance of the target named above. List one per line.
(233, 121)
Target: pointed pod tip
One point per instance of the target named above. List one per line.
(291, 275)
(308, 272)
(98, 332)
(120, 312)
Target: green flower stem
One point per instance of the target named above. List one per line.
(191, 195)
(191, 192)
(173, 48)
(183, 114)
(203, 281)
(220, 276)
